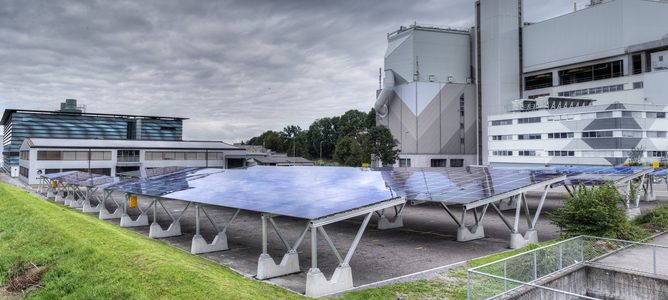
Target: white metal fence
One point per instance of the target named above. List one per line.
(526, 270)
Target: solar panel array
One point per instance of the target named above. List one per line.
(459, 185)
(81, 178)
(594, 175)
(302, 192)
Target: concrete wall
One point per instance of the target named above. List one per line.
(598, 282)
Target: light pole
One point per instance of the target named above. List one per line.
(321, 151)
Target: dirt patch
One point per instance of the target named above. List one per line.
(23, 277)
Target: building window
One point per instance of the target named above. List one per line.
(502, 122)
(404, 162)
(439, 163)
(49, 155)
(502, 137)
(560, 153)
(636, 64)
(530, 136)
(527, 153)
(127, 155)
(655, 115)
(456, 163)
(560, 135)
(538, 95)
(632, 114)
(596, 134)
(24, 172)
(631, 134)
(638, 85)
(24, 155)
(528, 120)
(656, 134)
(561, 118)
(168, 128)
(604, 114)
(538, 81)
(657, 153)
(593, 72)
(502, 153)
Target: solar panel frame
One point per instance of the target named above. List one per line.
(317, 192)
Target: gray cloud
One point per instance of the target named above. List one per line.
(235, 68)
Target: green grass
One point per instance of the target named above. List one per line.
(92, 259)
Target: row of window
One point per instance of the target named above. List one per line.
(591, 91)
(170, 155)
(596, 115)
(73, 155)
(24, 171)
(585, 134)
(435, 163)
(586, 153)
(24, 155)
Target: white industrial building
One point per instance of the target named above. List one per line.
(613, 51)
(111, 157)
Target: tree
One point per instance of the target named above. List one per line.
(270, 140)
(592, 211)
(352, 123)
(381, 144)
(371, 119)
(348, 152)
(323, 131)
(635, 155)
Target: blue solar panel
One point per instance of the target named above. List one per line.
(459, 185)
(660, 172)
(588, 175)
(302, 192)
(81, 178)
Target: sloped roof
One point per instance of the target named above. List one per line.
(126, 144)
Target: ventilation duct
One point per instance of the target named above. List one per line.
(384, 96)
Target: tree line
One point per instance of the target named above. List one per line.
(350, 139)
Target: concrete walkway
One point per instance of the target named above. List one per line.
(641, 258)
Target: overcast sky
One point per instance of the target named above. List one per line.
(235, 68)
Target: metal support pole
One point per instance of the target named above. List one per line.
(516, 225)
(155, 212)
(468, 285)
(561, 256)
(654, 258)
(535, 267)
(197, 219)
(264, 234)
(540, 207)
(505, 275)
(357, 239)
(582, 248)
(314, 248)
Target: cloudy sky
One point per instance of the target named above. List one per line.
(235, 68)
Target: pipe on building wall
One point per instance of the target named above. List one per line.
(384, 96)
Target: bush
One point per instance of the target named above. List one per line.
(592, 211)
(655, 220)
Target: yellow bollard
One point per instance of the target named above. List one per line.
(133, 201)
(54, 184)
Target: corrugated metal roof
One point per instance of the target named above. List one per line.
(126, 144)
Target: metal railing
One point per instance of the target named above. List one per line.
(524, 272)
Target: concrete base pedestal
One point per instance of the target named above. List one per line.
(649, 197)
(317, 284)
(59, 198)
(88, 208)
(50, 195)
(385, 223)
(470, 233)
(199, 244)
(106, 215)
(156, 231)
(517, 240)
(126, 221)
(267, 268)
(632, 213)
(76, 204)
(508, 205)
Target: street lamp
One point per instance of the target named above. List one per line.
(321, 151)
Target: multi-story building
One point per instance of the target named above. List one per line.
(612, 51)
(39, 156)
(568, 131)
(71, 123)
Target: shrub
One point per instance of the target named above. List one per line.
(592, 211)
(655, 219)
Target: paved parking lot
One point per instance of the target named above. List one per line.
(426, 241)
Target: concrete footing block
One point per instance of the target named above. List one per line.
(267, 268)
(649, 197)
(156, 231)
(199, 244)
(106, 215)
(470, 233)
(385, 223)
(76, 204)
(59, 198)
(632, 213)
(50, 195)
(126, 221)
(88, 208)
(317, 284)
(517, 240)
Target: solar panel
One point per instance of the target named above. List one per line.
(594, 175)
(302, 192)
(459, 185)
(81, 178)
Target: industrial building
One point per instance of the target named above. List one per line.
(612, 51)
(71, 122)
(40, 156)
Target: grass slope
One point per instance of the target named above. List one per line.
(92, 259)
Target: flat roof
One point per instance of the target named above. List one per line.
(125, 144)
(8, 112)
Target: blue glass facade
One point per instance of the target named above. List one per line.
(19, 125)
